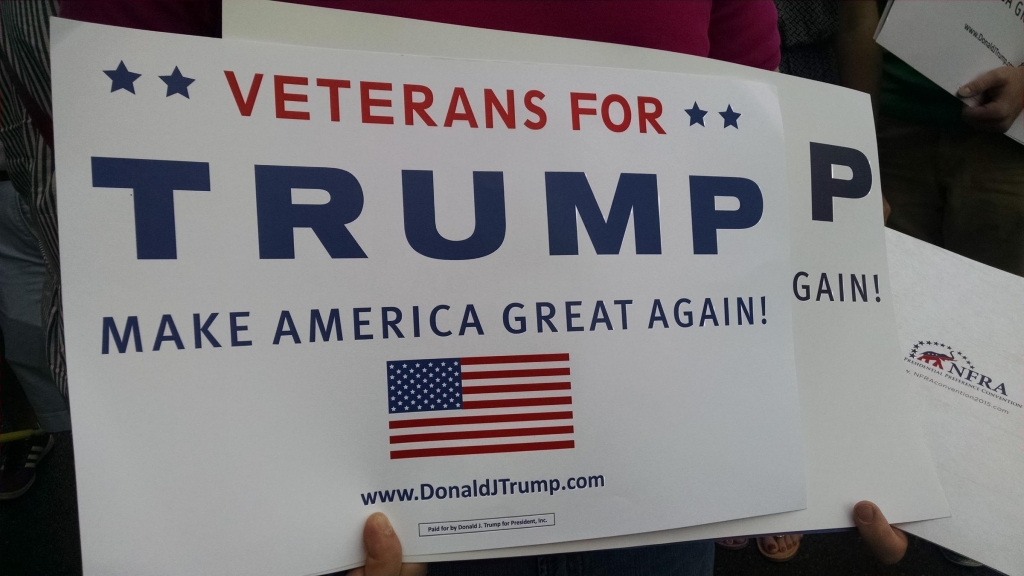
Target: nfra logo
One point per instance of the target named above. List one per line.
(935, 359)
(954, 364)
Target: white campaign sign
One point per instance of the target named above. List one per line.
(291, 299)
(853, 397)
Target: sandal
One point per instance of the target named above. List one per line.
(778, 556)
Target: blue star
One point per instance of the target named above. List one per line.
(696, 115)
(177, 83)
(730, 117)
(121, 78)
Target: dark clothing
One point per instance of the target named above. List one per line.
(687, 559)
(958, 188)
(192, 17)
(807, 31)
(738, 31)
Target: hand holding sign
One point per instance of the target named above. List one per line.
(995, 98)
(257, 237)
(886, 543)
(384, 551)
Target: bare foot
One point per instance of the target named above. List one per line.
(779, 548)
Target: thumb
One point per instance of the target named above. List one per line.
(383, 550)
(983, 83)
(888, 544)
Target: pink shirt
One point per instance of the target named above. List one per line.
(739, 31)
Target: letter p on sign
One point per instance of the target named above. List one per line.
(829, 167)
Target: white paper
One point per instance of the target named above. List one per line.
(850, 408)
(673, 363)
(954, 41)
(960, 324)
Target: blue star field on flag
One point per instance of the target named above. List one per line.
(424, 385)
(121, 78)
(177, 83)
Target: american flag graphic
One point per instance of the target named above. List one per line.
(479, 405)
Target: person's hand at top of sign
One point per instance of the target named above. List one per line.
(886, 543)
(384, 551)
(994, 99)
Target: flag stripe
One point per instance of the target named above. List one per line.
(528, 373)
(513, 402)
(485, 449)
(500, 388)
(470, 434)
(486, 419)
(477, 360)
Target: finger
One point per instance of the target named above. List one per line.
(383, 550)
(414, 570)
(995, 116)
(992, 127)
(994, 111)
(886, 210)
(997, 126)
(888, 544)
(985, 82)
